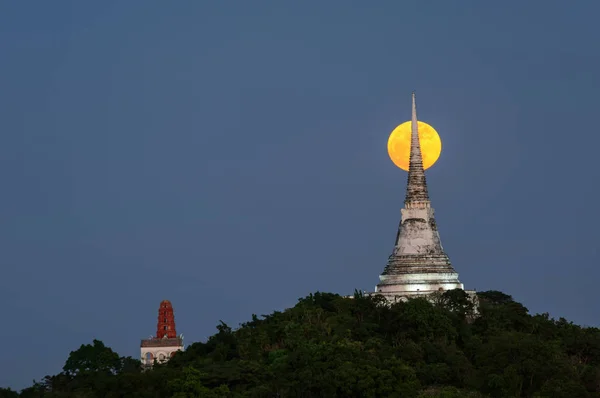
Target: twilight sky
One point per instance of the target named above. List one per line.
(231, 157)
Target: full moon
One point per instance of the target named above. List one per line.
(399, 145)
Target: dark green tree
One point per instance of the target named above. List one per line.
(328, 345)
(8, 393)
(95, 357)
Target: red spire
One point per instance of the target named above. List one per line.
(166, 321)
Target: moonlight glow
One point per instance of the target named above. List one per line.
(399, 145)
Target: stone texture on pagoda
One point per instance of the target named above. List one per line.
(418, 233)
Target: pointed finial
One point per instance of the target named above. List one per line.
(416, 190)
(413, 125)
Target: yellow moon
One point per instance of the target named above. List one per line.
(399, 145)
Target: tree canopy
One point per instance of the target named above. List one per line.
(331, 346)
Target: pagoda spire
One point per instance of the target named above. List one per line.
(418, 263)
(166, 321)
(416, 189)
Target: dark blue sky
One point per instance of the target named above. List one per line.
(231, 157)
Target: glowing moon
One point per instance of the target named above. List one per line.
(399, 145)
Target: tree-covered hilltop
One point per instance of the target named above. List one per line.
(330, 346)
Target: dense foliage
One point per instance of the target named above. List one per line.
(330, 346)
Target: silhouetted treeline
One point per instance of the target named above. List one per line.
(330, 346)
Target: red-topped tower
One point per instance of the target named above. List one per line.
(166, 321)
(166, 342)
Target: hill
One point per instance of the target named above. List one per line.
(330, 346)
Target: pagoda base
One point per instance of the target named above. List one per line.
(395, 297)
(431, 295)
(414, 284)
(160, 350)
